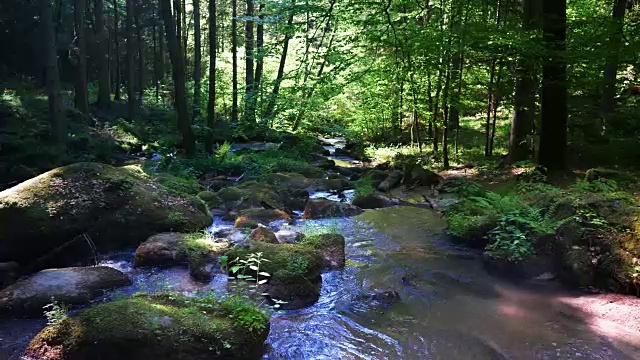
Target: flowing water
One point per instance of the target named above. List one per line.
(406, 293)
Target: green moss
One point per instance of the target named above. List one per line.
(283, 257)
(165, 326)
(212, 200)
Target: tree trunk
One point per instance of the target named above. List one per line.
(234, 50)
(490, 105)
(259, 55)
(250, 99)
(104, 86)
(156, 68)
(523, 116)
(116, 34)
(213, 48)
(131, 79)
(269, 113)
(140, 43)
(607, 103)
(553, 132)
(57, 121)
(445, 120)
(81, 98)
(176, 56)
(197, 60)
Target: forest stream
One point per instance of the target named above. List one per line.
(407, 293)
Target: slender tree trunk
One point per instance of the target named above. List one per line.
(520, 144)
(57, 121)
(490, 106)
(131, 78)
(553, 130)
(176, 55)
(197, 61)
(116, 35)
(185, 36)
(269, 113)
(81, 98)
(162, 74)
(213, 48)
(607, 103)
(140, 43)
(257, 80)
(234, 51)
(250, 98)
(445, 120)
(104, 86)
(497, 96)
(156, 68)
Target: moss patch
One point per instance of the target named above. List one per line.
(164, 326)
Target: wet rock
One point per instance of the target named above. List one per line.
(324, 163)
(391, 182)
(294, 269)
(73, 286)
(289, 236)
(323, 208)
(417, 175)
(160, 326)
(291, 184)
(332, 248)
(8, 273)
(263, 234)
(295, 290)
(164, 249)
(116, 207)
(374, 201)
(386, 297)
(578, 269)
(348, 172)
(253, 217)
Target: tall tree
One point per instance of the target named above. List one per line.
(607, 102)
(213, 49)
(259, 55)
(234, 51)
(57, 122)
(116, 36)
(140, 45)
(104, 81)
(249, 97)
(81, 98)
(131, 78)
(269, 112)
(197, 59)
(177, 64)
(553, 127)
(522, 120)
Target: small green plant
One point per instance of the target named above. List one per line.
(176, 219)
(245, 313)
(55, 312)
(598, 185)
(249, 269)
(364, 186)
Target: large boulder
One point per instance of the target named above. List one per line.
(250, 195)
(286, 236)
(263, 234)
(323, 208)
(391, 182)
(8, 273)
(164, 249)
(294, 271)
(417, 175)
(288, 182)
(73, 286)
(115, 207)
(373, 201)
(251, 218)
(160, 326)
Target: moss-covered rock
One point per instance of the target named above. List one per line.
(294, 271)
(332, 248)
(287, 182)
(252, 217)
(292, 290)
(392, 181)
(263, 234)
(297, 258)
(161, 326)
(161, 250)
(373, 201)
(116, 207)
(73, 286)
(323, 208)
